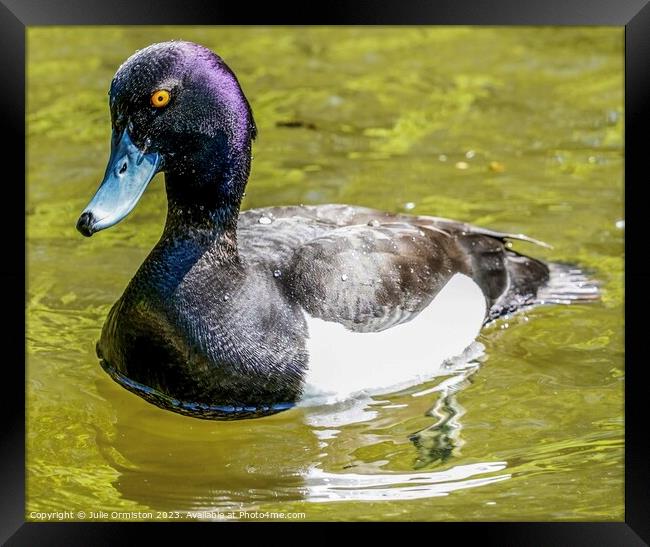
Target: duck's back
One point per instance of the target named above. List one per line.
(370, 270)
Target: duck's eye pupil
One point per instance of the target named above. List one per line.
(160, 98)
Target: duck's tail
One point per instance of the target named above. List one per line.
(533, 282)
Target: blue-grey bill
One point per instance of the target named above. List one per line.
(128, 173)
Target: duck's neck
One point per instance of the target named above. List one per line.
(212, 229)
(203, 208)
(199, 230)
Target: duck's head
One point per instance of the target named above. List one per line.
(175, 107)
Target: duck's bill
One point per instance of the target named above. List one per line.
(128, 173)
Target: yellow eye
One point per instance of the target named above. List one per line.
(160, 98)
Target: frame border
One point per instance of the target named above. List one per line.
(16, 15)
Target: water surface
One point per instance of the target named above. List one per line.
(515, 129)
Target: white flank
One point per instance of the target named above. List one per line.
(343, 363)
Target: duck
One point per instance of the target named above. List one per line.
(238, 315)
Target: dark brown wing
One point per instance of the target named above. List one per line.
(370, 278)
(371, 270)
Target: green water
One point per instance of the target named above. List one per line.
(387, 116)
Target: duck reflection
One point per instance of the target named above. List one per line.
(436, 443)
(170, 462)
(442, 440)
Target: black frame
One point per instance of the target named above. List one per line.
(16, 15)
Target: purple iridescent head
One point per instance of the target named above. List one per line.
(175, 107)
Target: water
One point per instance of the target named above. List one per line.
(515, 129)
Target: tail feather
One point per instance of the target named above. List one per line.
(533, 282)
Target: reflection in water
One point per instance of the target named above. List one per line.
(323, 486)
(214, 467)
(191, 464)
(350, 411)
(442, 440)
(436, 443)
